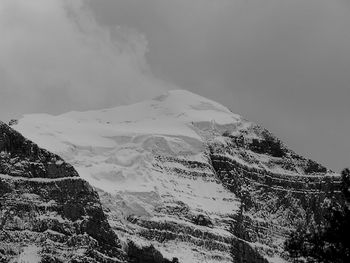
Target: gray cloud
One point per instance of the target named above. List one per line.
(283, 63)
(54, 57)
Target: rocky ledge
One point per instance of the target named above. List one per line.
(47, 212)
(278, 188)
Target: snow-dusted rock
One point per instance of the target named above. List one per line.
(47, 212)
(184, 174)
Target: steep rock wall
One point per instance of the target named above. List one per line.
(47, 212)
(278, 188)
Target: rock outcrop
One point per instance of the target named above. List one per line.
(47, 212)
(278, 188)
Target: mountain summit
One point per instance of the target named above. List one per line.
(184, 174)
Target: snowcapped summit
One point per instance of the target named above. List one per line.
(176, 113)
(175, 105)
(121, 152)
(177, 170)
(173, 113)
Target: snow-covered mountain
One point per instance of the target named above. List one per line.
(188, 176)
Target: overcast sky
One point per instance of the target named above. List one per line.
(282, 63)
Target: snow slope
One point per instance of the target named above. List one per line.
(120, 139)
(184, 173)
(175, 172)
(150, 161)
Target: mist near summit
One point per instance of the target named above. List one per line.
(55, 57)
(281, 63)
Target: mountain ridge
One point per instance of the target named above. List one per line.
(186, 175)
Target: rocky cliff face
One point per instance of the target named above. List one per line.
(47, 212)
(184, 175)
(278, 188)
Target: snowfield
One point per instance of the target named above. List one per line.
(113, 148)
(116, 151)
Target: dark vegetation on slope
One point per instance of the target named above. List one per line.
(268, 145)
(328, 240)
(146, 255)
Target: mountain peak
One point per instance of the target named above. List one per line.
(179, 167)
(179, 105)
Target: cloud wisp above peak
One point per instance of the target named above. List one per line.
(54, 57)
(282, 63)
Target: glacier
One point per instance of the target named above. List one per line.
(175, 172)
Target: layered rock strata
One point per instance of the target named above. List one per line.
(185, 175)
(47, 212)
